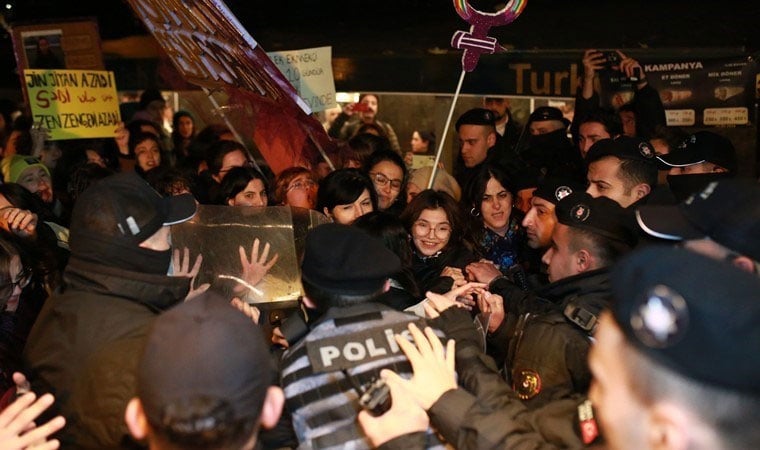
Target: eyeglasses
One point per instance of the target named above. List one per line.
(301, 185)
(6, 290)
(422, 228)
(382, 181)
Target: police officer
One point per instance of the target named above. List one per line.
(721, 221)
(677, 319)
(350, 338)
(543, 337)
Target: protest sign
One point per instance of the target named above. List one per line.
(310, 72)
(73, 104)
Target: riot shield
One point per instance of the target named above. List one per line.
(218, 232)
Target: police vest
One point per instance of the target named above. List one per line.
(320, 397)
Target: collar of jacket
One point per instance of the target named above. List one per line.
(588, 288)
(157, 292)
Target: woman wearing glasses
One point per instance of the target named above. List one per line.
(296, 186)
(434, 222)
(345, 195)
(388, 173)
(14, 277)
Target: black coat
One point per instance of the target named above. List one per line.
(85, 346)
(427, 270)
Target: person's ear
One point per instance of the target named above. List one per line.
(670, 428)
(641, 190)
(230, 202)
(744, 263)
(491, 140)
(272, 408)
(134, 416)
(584, 260)
(327, 212)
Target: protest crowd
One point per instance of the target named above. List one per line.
(584, 283)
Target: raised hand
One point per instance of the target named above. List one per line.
(433, 367)
(255, 268)
(18, 430)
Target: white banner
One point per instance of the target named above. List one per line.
(310, 72)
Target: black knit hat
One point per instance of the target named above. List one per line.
(694, 315)
(554, 189)
(342, 259)
(599, 215)
(544, 113)
(477, 116)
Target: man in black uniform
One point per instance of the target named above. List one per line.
(350, 337)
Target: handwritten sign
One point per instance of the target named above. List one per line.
(73, 104)
(310, 72)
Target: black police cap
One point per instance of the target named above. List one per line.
(695, 315)
(599, 215)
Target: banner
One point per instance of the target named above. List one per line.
(73, 104)
(310, 72)
(696, 89)
(212, 49)
(701, 91)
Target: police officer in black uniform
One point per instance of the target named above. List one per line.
(350, 337)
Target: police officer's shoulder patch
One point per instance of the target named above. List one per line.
(526, 383)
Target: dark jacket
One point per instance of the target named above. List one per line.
(427, 270)
(545, 337)
(85, 346)
(319, 383)
(485, 413)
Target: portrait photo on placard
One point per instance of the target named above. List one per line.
(43, 49)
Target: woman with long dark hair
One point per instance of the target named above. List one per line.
(494, 223)
(403, 291)
(388, 173)
(440, 249)
(244, 186)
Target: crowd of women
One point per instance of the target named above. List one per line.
(437, 233)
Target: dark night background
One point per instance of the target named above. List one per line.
(413, 26)
(406, 30)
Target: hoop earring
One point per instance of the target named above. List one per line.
(474, 212)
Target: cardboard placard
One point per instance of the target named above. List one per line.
(309, 71)
(73, 104)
